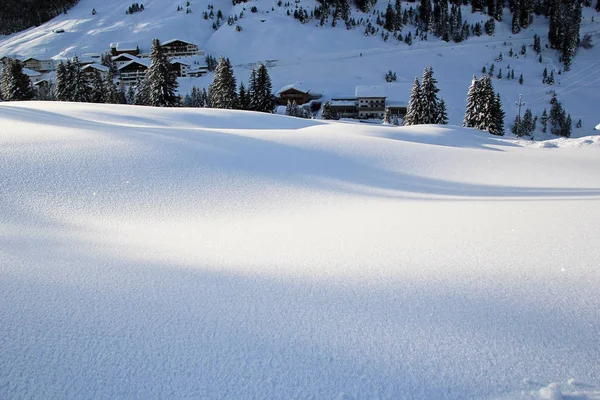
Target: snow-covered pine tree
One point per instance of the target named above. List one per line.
(111, 94)
(386, 117)
(223, 93)
(263, 95)
(442, 117)
(15, 85)
(252, 90)
(60, 89)
(429, 99)
(471, 118)
(160, 82)
(557, 117)
(289, 109)
(98, 92)
(80, 91)
(414, 112)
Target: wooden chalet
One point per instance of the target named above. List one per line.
(133, 71)
(180, 68)
(39, 65)
(122, 59)
(371, 101)
(90, 70)
(294, 92)
(180, 48)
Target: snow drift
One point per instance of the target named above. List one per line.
(179, 253)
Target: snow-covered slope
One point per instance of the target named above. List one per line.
(330, 60)
(178, 253)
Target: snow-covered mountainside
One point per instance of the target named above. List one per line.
(196, 253)
(328, 60)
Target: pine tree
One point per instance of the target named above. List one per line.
(111, 93)
(442, 117)
(80, 91)
(516, 18)
(544, 121)
(579, 124)
(289, 109)
(496, 126)
(521, 79)
(567, 127)
(414, 112)
(15, 85)
(60, 89)
(244, 100)
(264, 101)
(160, 82)
(429, 99)
(252, 90)
(386, 117)
(223, 93)
(98, 92)
(545, 76)
(471, 115)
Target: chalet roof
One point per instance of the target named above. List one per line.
(34, 59)
(99, 67)
(124, 46)
(180, 62)
(30, 72)
(144, 63)
(168, 42)
(370, 91)
(124, 56)
(296, 86)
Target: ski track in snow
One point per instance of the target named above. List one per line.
(179, 253)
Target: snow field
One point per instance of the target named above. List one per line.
(179, 253)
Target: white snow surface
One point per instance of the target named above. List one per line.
(194, 253)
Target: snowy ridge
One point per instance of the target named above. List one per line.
(194, 253)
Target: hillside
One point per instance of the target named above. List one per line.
(194, 253)
(331, 61)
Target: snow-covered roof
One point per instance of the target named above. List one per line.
(92, 55)
(597, 127)
(35, 59)
(180, 62)
(370, 91)
(30, 72)
(124, 46)
(124, 55)
(168, 42)
(99, 67)
(145, 63)
(297, 86)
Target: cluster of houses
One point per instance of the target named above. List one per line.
(128, 63)
(368, 101)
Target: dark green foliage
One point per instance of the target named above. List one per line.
(14, 84)
(223, 89)
(17, 15)
(160, 83)
(484, 107)
(544, 121)
(390, 76)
